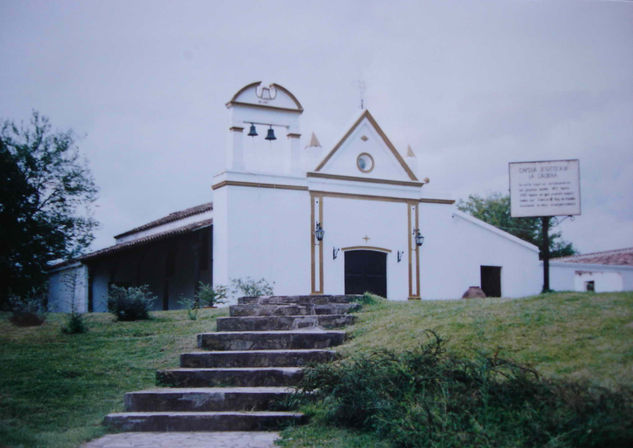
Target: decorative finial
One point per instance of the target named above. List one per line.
(361, 90)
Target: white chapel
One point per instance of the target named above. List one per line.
(349, 218)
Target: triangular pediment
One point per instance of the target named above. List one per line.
(365, 151)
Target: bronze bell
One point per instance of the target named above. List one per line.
(252, 132)
(271, 134)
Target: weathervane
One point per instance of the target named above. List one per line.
(361, 90)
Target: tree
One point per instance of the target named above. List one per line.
(495, 210)
(45, 203)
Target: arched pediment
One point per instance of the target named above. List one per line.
(273, 96)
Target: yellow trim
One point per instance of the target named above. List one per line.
(436, 201)
(369, 197)
(293, 135)
(405, 183)
(236, 183)
(417, 252)
(378, 249)
(313, 244)
(264, 106)
(372, 121)
(409, 232)
(236, 129)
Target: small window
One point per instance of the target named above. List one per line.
(365, 162)
(590, 286)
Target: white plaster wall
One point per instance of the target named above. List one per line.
(263, 233)
(68, 287)
(347, 221)
(455, 248)
(100, 282)
(572, 277)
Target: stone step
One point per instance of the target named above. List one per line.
(205, 399)
(263, 323)
(256, 358)
(298, 300)
(292, 309)
(270, 340)
(268, 310)
(202, 421)
(230, 376)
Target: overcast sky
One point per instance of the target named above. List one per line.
(470, 85)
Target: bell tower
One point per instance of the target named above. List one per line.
(261, 201)
(264, 131)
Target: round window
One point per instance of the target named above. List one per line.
(365, 162)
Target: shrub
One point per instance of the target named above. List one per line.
(209, 296)
(251, 288)
(28, 311)
(75, 324)
(425, 398)
(132, 303)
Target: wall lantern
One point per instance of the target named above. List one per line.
(252, 132)
(399, 254)
(319, 232)
(419, 239)
(335, 253)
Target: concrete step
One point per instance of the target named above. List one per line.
(256, 358)
(263, 323)
(270, 340)
(205, 399)
(230, 376)
(298, 300)
(202, 421)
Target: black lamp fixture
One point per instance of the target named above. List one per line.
(400, 254)
(271, 134)
(335, 251)
(319, 232)
(252, 132)
(419, 239)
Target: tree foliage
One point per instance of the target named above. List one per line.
(495, 210)
(45, 200)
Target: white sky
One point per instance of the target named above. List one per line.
(470, 85)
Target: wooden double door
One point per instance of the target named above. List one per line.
(366, 271)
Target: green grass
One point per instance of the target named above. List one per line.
(570, 336)
(55, 388)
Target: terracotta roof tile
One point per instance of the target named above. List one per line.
(621, 257)
(169, 218)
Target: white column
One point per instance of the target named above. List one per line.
(235, 149)
(295, 153)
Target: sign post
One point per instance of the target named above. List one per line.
(545, 189)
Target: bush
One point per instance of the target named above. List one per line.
(251, 288)
(209, 296)
(28, 311)
(75, 324)
(426, 398)
(132, 303)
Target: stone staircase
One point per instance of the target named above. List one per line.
(253, 360)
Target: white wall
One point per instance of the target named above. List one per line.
(347, 221)
(573, 277)
(262, 233)
(455, 247)
(68, 288)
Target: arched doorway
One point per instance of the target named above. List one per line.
(366, 270)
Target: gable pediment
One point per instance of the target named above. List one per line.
(365, 151)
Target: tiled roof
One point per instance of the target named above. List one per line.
(621, 257)
(169, 218)
(148, 239)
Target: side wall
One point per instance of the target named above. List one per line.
(606, 278)
(68, 289)
(455, 248)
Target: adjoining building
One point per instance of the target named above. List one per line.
(606, 271)
(354, 218)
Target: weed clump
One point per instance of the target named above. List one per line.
(426, 398)
(132, 303)
(75, 324)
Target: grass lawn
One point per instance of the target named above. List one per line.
(576, 336)
(55, 389)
